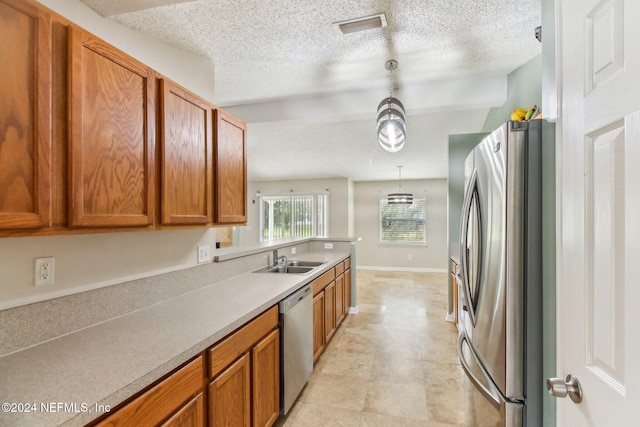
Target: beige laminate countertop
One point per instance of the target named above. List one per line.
(111, 361)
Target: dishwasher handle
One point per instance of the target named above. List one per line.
(289, 302)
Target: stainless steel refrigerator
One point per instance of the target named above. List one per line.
(500, 277)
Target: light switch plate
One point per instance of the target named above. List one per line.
(293, 251)
(204, 254)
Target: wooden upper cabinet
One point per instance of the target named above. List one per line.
(186, 157)
(112, 134)
(230, 169)
(25, 111)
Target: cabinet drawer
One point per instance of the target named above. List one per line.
(162, 399)
(322, 281)
(240, 341)
(347, 263)
(339, 268)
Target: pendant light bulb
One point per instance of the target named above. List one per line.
(392, 128)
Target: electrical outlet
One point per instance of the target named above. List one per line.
(328, 245)
(410, 257)
(204, 254)
(44, 271)
(293, 251)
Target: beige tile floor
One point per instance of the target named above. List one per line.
(392, 364)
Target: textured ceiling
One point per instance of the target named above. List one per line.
(274, 58)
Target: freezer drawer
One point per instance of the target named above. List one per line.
(491, 408)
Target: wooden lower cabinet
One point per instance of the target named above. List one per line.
(347, 290)
(230, 396)
(329, 310)
(454, 291)
(318, 325)
(331, 302)
(191, 414)
(339, 299)
(171, 401)
(265, 369)
(244, 369)
(242, 382)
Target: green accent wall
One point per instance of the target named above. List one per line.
(459, 148)
(524, 89)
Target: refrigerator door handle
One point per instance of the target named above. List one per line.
(464, 255)
(487, 388)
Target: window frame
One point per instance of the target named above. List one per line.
(382, 242)
(319, 219)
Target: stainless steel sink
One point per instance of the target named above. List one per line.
(292, 267)
(298, 263)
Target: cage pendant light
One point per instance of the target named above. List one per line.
(400, 198)
(392, 127)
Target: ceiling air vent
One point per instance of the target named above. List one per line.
(361, 24)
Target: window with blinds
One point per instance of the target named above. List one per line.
(295, 215)
(403, 224)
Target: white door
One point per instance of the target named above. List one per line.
(599, 210)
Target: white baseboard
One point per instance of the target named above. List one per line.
(450, 317)
(354, 310)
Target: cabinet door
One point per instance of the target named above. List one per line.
(190, 415)
(230, 396)
(186, 157)
(25, 109)
(347, 290)
(265, 361)
(318, 325)
(339, 299)
(230, 169)
(329, 310)
(112, 134)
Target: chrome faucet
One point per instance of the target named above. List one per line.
(276, 258)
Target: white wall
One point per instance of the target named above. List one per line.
(432, 257)
(91, 261)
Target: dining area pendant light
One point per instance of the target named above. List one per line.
(392, 126)
(400, 197)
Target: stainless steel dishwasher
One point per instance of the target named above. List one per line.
(296, 361)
